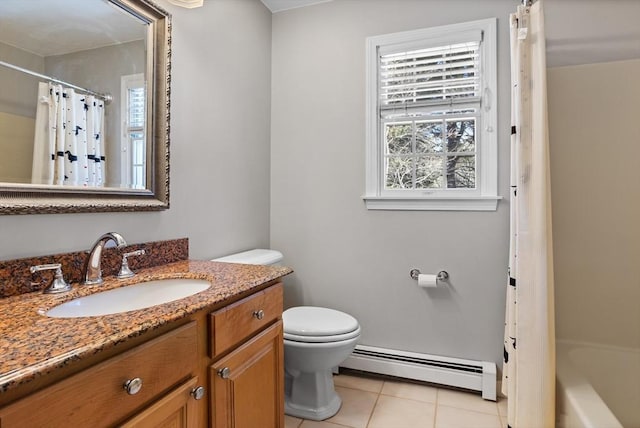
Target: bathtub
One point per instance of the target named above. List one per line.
(597, 386)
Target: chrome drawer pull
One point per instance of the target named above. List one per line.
(133, 386)
(197, 392)
(258, 314)
(224, 373)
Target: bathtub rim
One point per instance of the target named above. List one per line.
(576, 394)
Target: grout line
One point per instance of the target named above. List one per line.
(299, 423)
(467, 409)
(356, 389)
(437, 404)
(415, 400)
(327, 421)
(336, 423)
(373, 409)
(408, 398)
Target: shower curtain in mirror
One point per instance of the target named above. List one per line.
(529, 346)
(68, 145)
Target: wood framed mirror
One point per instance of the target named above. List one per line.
(84, 106)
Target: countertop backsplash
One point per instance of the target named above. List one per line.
(15, 277)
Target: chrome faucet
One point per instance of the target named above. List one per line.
(92, 272)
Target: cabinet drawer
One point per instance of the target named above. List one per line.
(96, 397)
(242, 319)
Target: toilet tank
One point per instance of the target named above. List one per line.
(253, 257)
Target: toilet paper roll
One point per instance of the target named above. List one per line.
(427, 281)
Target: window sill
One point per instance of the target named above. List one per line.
(479, 203)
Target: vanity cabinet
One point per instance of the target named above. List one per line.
(223, 369)
(107, 393)
(247, 384)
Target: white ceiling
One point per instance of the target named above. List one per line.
(280, 5)
(55, 27)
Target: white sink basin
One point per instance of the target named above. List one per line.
(129, 298)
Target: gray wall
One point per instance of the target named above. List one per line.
(18, 95)
(356, 260)
(18, 91)
(219, 149)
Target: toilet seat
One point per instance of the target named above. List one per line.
(322, 339)
(316, 325)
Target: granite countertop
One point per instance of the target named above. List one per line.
(32, 344)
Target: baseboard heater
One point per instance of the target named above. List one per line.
(468, 374)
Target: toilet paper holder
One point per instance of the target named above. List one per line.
(443, 275)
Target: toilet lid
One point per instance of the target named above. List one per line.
(311, 321)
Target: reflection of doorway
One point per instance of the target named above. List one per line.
(133, 139)
(16, 141)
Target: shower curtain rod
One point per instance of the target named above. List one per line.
(106, 97)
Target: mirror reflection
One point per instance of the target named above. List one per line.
(73, 105)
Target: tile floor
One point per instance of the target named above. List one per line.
(369, 402)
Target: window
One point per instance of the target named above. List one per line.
(431, 119)
(133, 127)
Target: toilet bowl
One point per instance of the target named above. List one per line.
(315, 341)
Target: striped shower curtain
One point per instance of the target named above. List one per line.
(529, 344)
(68, 146)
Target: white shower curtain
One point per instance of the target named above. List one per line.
(68, 143)
(529, 346)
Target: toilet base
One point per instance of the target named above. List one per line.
(311, 395)
(319, 414)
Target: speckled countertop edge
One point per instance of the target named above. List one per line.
(32, 344)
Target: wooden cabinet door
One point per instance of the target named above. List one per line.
(247, 386)
(177, 409)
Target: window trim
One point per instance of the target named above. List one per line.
(485, 196)
(128, 81)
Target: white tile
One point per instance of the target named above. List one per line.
(453, 417)
(291, 422)
(358, 382)
(356, 407)
(410, 390)
(320, 424)
(393, 412)
(466, 400)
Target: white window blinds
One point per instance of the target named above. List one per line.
(440, 75)
(134, 155)
(136, 107)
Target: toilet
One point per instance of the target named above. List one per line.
(316, 340)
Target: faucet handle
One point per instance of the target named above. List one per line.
(58, 285)
(125, 271)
